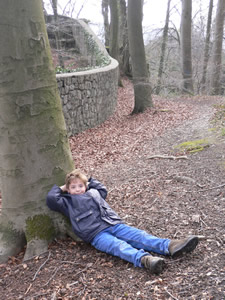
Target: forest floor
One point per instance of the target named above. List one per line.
(166, 190)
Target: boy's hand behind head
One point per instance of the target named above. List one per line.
(63, 188)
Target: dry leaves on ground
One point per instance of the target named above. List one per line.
(167, 197)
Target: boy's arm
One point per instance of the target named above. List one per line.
(56, 201)
(63, 188)
(95, 184)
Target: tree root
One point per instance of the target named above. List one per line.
(11, 241)
(35, 247)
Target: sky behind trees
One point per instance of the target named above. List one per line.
(154, 13)
(154, 10)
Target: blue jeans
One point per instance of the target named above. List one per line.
(129, 243)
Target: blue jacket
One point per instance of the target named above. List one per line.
(89, 213)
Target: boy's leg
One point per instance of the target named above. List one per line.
(106, 242)
(140, 239)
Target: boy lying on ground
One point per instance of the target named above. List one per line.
(82, 200)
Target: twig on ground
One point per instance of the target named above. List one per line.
(30, 258)
(49, 254)
(156, 199)
(58, 268)
(35, 296)
(203, 222)
(28, 289)
(81, 271)
(183, 178)
(209, 189)
(170, 294)
(70, 262)
(188, 179)
(215, 187)
(54, 273)
(70, 284)
(54, 296)
(201, 237)
(167, 157)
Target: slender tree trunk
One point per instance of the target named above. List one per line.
(34, 149)
(124, 52)
(57, 33)
(186, 24)
(114, 29)
(142, 87)
(114, 32)
(105, 13)
(206, 49)
(118, 39)
(217, 49)
(163, 48)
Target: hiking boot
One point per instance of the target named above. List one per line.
(178, 247)
(154, 264)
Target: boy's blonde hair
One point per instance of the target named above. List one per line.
(74, 175)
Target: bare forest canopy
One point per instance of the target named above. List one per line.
(191, 63)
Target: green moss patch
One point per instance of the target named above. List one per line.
(39, 227)
(223, 131)
(193, 146)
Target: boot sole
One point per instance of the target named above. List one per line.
(190, 245)
(158, 267)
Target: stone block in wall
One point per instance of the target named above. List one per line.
(68, 81)
(79, 95)
(80, 79)
(65, 100)
(67, 88)
(72, 87)
(88, 93)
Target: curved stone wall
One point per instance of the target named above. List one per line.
(88, 97)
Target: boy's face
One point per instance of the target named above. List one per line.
(77, 187)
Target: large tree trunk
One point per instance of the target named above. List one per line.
(163, 48)
(34, 149)
(217, 49)
(206, 49)
(186, 56)
(142, 87)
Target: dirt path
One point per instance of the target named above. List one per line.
(167, 197)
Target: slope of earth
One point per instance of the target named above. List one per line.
(155, 186)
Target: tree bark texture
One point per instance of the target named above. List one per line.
(217, 49)
(186, 44)
(114, 29)
(34, 149)
(114, 32)
(124, 52)
(142, 87)
(105, 14)
(206, 49)
(163, 48)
